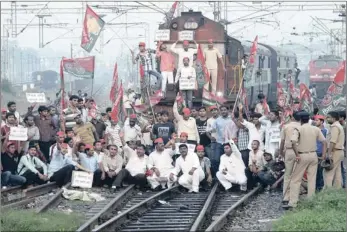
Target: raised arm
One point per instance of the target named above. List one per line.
(173, 48)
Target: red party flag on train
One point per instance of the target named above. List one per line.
(92, 27)
(114, 87)
(118, 113)
(253, 50)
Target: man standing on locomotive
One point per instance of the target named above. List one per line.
(184, 52)
(212, 55)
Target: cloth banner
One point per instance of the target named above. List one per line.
(80, 67)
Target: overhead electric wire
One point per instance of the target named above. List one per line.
(254, 17)
(60, 36)
(157, 7)
(25, 27)
(163, 12)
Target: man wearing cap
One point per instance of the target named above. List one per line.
(286, 151)
(319, 122)
(186, 77)
(187, 124)
(205, 164)
(212, 55)
(167, 65)
(61, 166)
(192, 174)
(184, 52)
(160, 163)
(132, 131)
(232, 168)
(9, 164)
(336, 138)
(304, 143)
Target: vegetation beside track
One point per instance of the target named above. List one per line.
(326, 211)
(28, 220)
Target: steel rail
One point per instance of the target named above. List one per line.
(218, 224)
(207, 206)
(92, 222)
(53, 201)
(27, 193)
(111, 224)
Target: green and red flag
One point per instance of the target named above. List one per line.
(118, 112)
(92, 27)
(80, 67)
(335, 99)
(114, 87)
(305, 99)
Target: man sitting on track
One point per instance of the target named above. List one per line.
(231, 168)
(112, 165)
(135, 170)
(188, 163)
(61, 166)
(160, 162)
(27, 168)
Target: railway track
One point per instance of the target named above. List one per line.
(17, 197)
(171, 210)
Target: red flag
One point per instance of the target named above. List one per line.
(337, 86)
(253, 50)
(118, 111)
(201, 59)
(142, 71)
(114, 86)
(92, 27)
(80, 67)
(154, 100)
(305, 96)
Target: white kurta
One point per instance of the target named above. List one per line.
(272, 135)
(235, 169)
(191, 182)
(163, 162)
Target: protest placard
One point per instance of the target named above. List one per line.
(82, 179)
(187, 83)
(18, 134)
(36, 97)
(186, 35)
(162, 35)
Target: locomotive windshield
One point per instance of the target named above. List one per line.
(326, 64)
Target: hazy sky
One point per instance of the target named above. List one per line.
(273, 29)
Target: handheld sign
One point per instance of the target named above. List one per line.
(18, 134)
(186, 35)
(82, 179)
(36, 97)
(162, 35)
(187, 83)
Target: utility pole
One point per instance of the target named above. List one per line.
(71, 50)
(21, 66)
(13, 19)
(41, 23)
(217, 11)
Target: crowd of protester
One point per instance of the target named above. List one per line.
(194, 148)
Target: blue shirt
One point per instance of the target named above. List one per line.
(89, 162)
(219, 125)
(320, 144)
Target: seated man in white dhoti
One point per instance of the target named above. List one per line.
(160, 163)
(231, 168)
(189, 164)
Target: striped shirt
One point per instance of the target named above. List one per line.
(69, 115)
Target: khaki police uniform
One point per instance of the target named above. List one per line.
(306, 136)
(333, 177)
(289, 156)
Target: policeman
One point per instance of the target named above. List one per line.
(336, 139)
(286, 151)
(304, 142)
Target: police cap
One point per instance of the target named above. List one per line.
(304, 115)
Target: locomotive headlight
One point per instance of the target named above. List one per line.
(219, 94)
(191, 25)
(174, 26)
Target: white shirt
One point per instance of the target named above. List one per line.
(185, 72)
(186, 164)
(233, 163)
(88, 162)
(100, 156)
(254, 134)
(137, 165)
(188, 126)
(182, 54)
(58, 161)
(113, 135)
(29, 162)
(132, 133)
(128, 100)
(129, 153)
(272, 135)
(161, 160)
(209, 128)
(259, 158)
